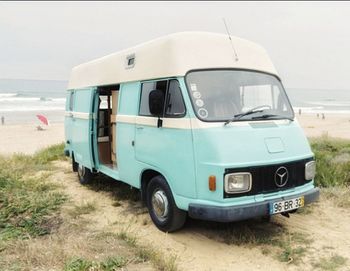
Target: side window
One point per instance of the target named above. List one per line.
(174, 102)
(71, 100)
(145, 90)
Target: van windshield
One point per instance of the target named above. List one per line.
(223, 95)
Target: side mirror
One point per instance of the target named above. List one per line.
(156, 104)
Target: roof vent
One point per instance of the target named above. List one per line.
(130, 61)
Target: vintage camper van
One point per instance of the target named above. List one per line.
(199, 122)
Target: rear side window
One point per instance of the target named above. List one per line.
(71, 100)
(174, 107)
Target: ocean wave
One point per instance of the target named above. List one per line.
(319, 110)
(31, 99)
(33, 108)
(59, 99)
(5, 95)
(331, 102)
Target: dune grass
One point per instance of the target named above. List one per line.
(331, 263)
(160, 260)
(82, 209)
(109, 264)
(28, 202)
(333, 161)
(52, 153)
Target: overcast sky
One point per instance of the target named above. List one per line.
(309, 43)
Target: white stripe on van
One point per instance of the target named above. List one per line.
(78, 115)
(175, 123)
(186, 123)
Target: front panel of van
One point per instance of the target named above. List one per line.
(257, 146)
(222, 149)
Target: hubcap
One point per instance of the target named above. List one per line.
(81, 171)
(160, 204)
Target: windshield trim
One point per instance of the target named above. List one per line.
(236, 69)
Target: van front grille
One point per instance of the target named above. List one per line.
(263, 177)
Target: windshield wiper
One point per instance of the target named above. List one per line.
(249, 112)
(268, 116)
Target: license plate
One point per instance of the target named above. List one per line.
(286, 205)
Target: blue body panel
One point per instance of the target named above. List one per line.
(172, 155)
(128, 167)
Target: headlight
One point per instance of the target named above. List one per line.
(238, 182)
(310, 170)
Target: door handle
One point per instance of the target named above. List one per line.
(139, 128)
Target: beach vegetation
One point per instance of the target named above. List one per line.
(33, 224)
(52, 153)
(331, 263)
(148, 253)
(82, 209)
(109, 264)
(286, 246)
(29, 204)
(333, 161)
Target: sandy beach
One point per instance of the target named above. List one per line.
(27, 139)
(334, 125)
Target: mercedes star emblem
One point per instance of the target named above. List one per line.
(281, 176)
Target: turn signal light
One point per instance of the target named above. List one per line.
(212, 183)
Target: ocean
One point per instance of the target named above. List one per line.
(320, 100)
(22, 106)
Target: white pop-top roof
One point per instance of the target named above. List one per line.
(172, 55)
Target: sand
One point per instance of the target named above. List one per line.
(27, 139)
(201, 246)
(334, 125)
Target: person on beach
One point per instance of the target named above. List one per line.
(2, 120)
(323, 116)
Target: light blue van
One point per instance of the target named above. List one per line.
(201, 125)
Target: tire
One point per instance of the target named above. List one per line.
(74, 165)
(84, 174)
(161, 206)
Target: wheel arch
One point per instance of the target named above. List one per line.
(177, 217)
(146, 177)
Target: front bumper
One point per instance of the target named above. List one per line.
(245, 211)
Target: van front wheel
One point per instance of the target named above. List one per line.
(161, 206)
(84, 174)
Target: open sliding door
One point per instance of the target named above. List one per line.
(83, 126)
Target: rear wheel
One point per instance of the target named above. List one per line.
(74, 165)
(84, 174)
(161, 206)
